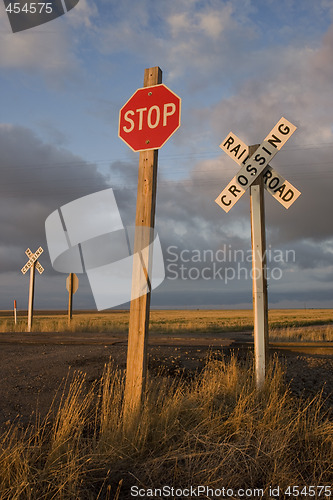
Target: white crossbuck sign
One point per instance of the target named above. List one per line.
(276, 185)
(33, 258)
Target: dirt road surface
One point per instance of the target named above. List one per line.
(33, 366)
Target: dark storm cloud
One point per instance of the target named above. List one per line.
(36, 178)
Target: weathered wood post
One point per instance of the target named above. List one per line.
(31, 296)
(70, 298)
(72, 284)
(32, 264)
(146, 122)
(136, 369)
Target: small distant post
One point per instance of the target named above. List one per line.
(32, 264)
(72, 284)
(15, 316)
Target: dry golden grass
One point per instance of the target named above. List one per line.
(316, 333)
(215, 430)
(172, 322)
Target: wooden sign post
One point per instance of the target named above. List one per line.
(72, 284)
(31, 295)
(257, 174)
(136, 369)
(32, 264)
(146, 122)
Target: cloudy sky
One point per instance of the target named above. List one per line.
(238, 66)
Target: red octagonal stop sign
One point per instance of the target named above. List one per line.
(149, 118)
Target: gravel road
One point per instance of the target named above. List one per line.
(34, 366)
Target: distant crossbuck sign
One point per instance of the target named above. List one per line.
(252, 167)
(33, 258)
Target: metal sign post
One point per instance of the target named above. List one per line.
(72, 284)
(146, 122)
(259, 280)
(32, 264)
(257, 174)
(15, 313)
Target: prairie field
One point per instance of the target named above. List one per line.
(293, 324)
(214, 430)
(207, 426)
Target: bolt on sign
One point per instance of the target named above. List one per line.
(256, 174)
(149, 118)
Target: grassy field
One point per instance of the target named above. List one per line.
(215, 430)
(283, 323)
